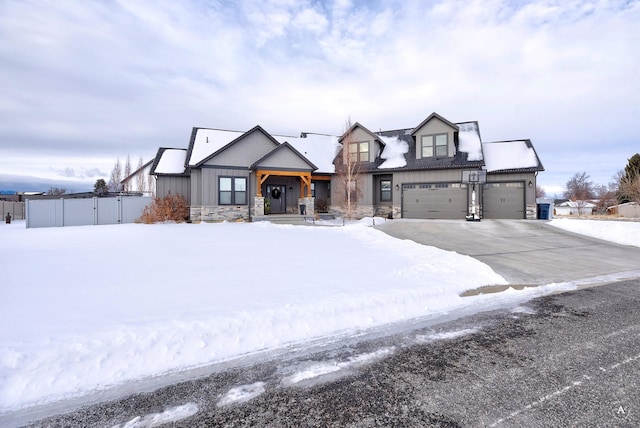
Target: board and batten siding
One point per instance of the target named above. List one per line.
(284, 159)
(244, 152)
(166, 184)
(435, 126)
(205, 180)
(365, 189)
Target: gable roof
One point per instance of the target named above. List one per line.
(358, 125)
(319, 149)
(170, 161)
(431, 116)
(281, 147)
(134, 173)
(218, 150)
(511, 156)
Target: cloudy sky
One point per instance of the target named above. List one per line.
(87, 82)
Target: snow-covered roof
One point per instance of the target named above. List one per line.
(319, 149)
(507, 155)
(393, 152)
(576, 204)
(208, 141)
(171, 161)
(469, 140)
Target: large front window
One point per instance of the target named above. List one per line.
(434, 145)
(359, 151)
(232, 191)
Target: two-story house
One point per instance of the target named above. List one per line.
(421, 172)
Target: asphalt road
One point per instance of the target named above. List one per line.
(570, 359)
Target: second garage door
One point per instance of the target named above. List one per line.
(503, 201)
(434, 201)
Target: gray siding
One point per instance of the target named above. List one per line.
(435, 126)
(244, 152)
(284, 158)
(208, 184)
(360, 135)
(166, 185)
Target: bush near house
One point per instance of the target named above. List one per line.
(169, 208)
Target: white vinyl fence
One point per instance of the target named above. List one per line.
(81, 212)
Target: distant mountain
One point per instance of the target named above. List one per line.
(23, 183)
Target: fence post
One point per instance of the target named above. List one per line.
(119, 209)
(95, 210)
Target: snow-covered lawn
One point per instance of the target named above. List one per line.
(89, 308)
(620, 232)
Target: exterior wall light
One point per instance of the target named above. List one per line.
(530, 184)
(397, 187)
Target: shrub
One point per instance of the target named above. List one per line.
(169, 208)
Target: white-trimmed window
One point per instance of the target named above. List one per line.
(434, 145)
(232, 190)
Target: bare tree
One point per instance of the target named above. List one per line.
(127, 173)
(116, 177)
(579, 190)
(606, 196)
(579, 187)
(540, 193)
(56, 191)
(140, 179)
(348, 167)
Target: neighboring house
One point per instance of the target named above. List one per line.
(141, 180)
(565, 208)
(408, 173)
(629, 210)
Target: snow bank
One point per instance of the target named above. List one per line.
(88, 308)
(620, 232)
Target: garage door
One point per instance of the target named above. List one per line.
(434, 200)
(503, 200)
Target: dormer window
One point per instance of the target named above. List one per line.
(359, 151)
(434, 145)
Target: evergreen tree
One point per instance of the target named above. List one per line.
(629, 186)
(100, 186)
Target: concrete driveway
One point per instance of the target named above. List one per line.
(524, 252)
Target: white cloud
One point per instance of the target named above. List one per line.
(127, 77)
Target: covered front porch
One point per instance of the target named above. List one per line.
(283, 192)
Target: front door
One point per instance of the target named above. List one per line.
(277, 195)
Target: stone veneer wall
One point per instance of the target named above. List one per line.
(388, 212)
(309, 205)
(369, 211)
(359, 211)
(258, 206)
(220, 213)
(532, 211)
